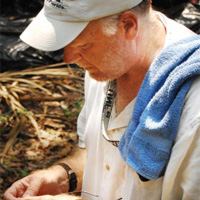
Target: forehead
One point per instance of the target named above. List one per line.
(92, 31)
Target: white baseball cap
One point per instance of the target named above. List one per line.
(61, 21)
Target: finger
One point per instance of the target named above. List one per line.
(34, 187)
(16, 190)
(44, 197)
(8, 196)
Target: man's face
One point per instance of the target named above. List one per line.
(104, 57)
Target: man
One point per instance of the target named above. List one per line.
(116, 42)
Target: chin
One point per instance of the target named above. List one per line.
(100, 77)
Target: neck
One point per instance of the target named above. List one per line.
(149, 43)
(127, 89)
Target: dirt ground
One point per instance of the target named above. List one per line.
(44, 131)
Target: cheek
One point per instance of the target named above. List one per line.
(90, 56)
(104, 54)
(113, 57)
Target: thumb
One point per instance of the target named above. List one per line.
(34, 187)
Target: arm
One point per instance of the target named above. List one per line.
(51, 181)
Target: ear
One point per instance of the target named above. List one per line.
(128, 22)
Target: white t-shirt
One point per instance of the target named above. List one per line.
(107, 177)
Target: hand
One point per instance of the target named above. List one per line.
(53, 181)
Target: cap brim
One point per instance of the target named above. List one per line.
(48, 34)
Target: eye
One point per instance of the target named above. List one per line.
(85, 46)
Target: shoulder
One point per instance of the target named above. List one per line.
(174, 30)
(190, 116)
(192, 99)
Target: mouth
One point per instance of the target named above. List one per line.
(89, 68)
(85, 65)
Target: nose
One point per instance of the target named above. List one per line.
(71, 55)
